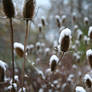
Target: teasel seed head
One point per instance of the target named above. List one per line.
(29, 8)
(40, 27)
(88, 80)
(90, 32)
(3, 67)
(64, 39)
(43, 21)
(8, 8)
(19, 49)
(74, 16)
(58, 20)
(63, 19)
(89, 56)
(86, 21)
(53, 62)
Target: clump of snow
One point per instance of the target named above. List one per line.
(63, 17)
(3, 65)
(41, 90)
(87, 76)
(24, 89)
(65, 32)
(85, 19)
(80, 89)
(18, 45)
(14, 85)
(90, 30)
(88, 52)
(54, 58)
(57, 17)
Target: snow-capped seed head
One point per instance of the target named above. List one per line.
(80, 89)
(3, 67)
(30, 48)
(43, 20)
(63, 19)
(79, 34)
(74, 16)
(40, 27)
(19, 49)
(58, 20)
(38, 45)
(86, 20)
(29, 8)
(89, 56)
(53, 62)
(90, 32)
(8, 8)
(75, 27)
(88, 80)
(47, 51)
(64, 39)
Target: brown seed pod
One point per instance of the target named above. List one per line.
(90, 60)
(53, 65)
(88, 83)
(19, 52)
(1, 74)
(53, 62)
(64, 39)
(8, 8)
(28, 11)
(65, 43)
(43, 21)
(19, 49)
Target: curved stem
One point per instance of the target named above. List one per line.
(12, 47)
(25, 44)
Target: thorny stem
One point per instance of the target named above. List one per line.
(12, 47)
(25, 44)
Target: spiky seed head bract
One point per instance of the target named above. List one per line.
(8, 8)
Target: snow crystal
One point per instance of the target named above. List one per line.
(54, 57)
(80, 89)
(90, 30)
(89, 52)
(3, 65)
(65, 32)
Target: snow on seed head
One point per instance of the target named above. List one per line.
(57, 17)
(63, 18)
(80, 89)
(90, 32)
(89, 56)
(3, 65)
(19, 49)
(43, 20)
(86, 20)
(53, 62)
(88, 80)
(64, 39)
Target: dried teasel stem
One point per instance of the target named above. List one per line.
(28, 14)
(10, 12)
(12, 47)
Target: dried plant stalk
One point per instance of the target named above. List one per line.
(28, 14)
(10, 12)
